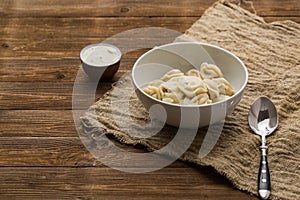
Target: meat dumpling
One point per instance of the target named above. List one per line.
(193, 72)
(209, 71)
(171, 74)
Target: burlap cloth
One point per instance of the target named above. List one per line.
(271, 53)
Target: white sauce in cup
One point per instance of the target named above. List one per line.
(100, 55)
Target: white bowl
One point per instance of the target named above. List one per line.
(100, 61)
(184, 56)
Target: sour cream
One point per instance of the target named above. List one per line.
(101, 55)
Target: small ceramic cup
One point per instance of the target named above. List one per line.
(100, 61)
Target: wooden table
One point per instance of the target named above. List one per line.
(41, 155)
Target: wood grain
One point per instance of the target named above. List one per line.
(117, 8)
(37, 123)
(64, 37)
(41, 151)
(281, 18)
(46, 95)
(67, 152)
(53, 70)
(100, 183)
(73, 27)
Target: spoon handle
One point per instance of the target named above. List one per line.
(264, 180)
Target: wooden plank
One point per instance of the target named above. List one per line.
(51, 70)
(76, 29)
(56, 28)
(65, 37)
(276, 8)
(68, 152)
(104, 8)
(278, 18)
(70, 49)
(105, 183)
(58, 70)
(37, 123)
(44, 152)
(45, 95)
(55, 151)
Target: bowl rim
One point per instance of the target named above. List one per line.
(117, 59)
(191, 106)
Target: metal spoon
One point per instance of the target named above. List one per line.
(263, 120)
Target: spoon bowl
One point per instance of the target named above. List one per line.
(263, 120)
(263, 117)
